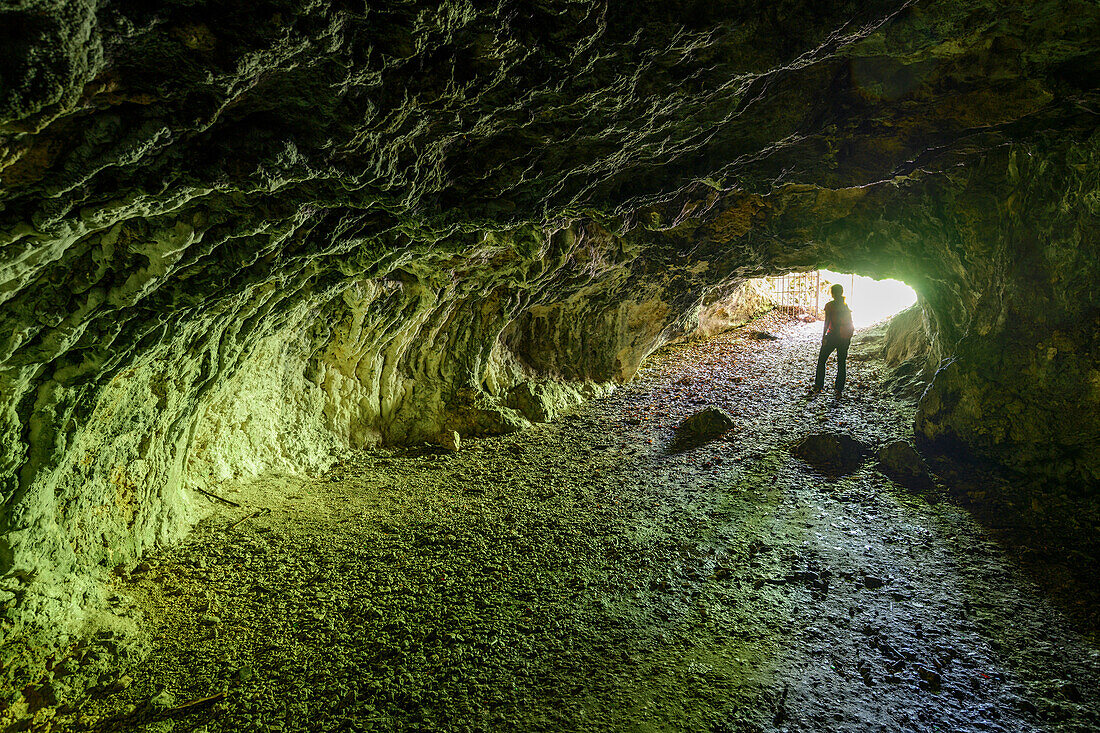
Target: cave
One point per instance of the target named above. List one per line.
(347, 351)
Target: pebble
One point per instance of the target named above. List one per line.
(452, 441)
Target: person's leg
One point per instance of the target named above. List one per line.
(841, 364)
(827, 347)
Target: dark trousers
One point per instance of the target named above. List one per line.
(828, 345)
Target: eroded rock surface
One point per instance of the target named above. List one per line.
(237, 239)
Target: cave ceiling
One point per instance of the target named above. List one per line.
(423, 119)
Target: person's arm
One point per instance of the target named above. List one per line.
(828, 319)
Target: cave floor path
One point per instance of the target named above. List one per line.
(583, 575)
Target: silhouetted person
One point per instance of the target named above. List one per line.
(837, 337)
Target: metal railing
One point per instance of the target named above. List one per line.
(805, 292)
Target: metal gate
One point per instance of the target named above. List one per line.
(805, 292)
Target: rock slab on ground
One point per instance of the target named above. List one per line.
(706, 424)
(831, 453)
(900, 461)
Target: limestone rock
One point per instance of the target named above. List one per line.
(234, 242)
(831, 453)
(900, 461)
(907, 337)
(706, 424)
(451, 440)
(533, 401)
(727, 307)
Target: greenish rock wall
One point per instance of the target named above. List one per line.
(1022, 383)
(906, 341)
(236, 239)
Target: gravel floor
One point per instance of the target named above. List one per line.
(591, 575)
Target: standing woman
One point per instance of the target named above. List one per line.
(837, 336)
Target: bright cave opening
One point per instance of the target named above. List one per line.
(872, 301)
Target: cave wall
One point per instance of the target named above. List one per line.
(1022, 383)
(285, 369)
(906, 341)
(237, 239)
(732, 306)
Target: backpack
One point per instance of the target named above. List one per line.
(842, 324)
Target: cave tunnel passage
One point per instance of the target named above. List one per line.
(580, 576)
(242, 241)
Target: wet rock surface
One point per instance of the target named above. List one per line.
(578, 576)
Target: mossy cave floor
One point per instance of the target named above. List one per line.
(585, 576)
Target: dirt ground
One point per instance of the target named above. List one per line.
(588, 575)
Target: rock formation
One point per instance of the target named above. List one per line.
(239, 237)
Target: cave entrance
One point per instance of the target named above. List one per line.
(871, 300)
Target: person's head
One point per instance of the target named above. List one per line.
(837, 291)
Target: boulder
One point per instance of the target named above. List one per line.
(706, 424)
(900, 461)
(831, 453)
(534, 401)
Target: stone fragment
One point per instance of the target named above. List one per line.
(1068, 690)
(872, 582)
(162, 700)
(120, 684)
(900, 461)
(451, 440)
(866, 672)
(706, 424)
(929, 677)
(831, 453)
